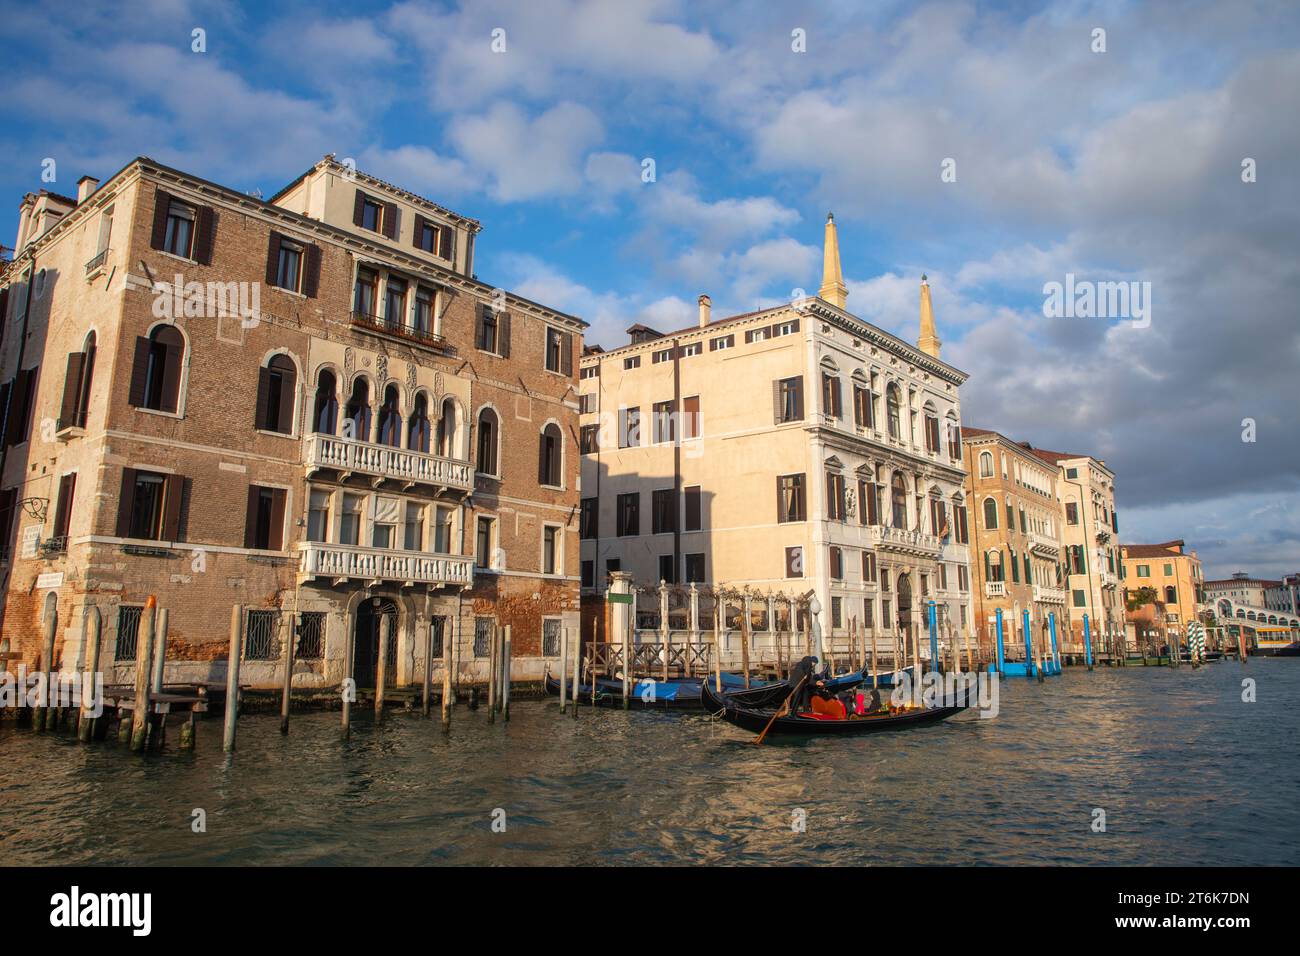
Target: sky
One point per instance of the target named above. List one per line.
(626, 157)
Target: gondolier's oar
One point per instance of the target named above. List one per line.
(781, 711)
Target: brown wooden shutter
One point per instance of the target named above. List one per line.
(263, 397)
(124, 503)
(173, 494)
(389, 224)
(139, 372)
(171, 383)
(250, 516)
(503, 335)
(447, 244)
(17, 408)
(358, 208)
(61, 516)
(161, 202)
(275, 540)
(776, 402)
(417, 232)
(71, 389)
(273, 259)
(541, 460)
(311, 271)
(566, 353)
(693, 509)
(205, 226)
(288, 392)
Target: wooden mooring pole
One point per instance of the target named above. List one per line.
(143, 666)
(286, 686)
(232, 677)
(86, 726)
(492, 674)
(348, 686)
(45, 715)
(428, 671)
(505, 671)
(577, 664)
(446, 678)
(381, 667)
(564, 667)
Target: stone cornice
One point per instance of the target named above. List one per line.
(821, 309)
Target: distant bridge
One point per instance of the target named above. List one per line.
(1254, 617)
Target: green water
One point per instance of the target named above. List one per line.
(1186, 772)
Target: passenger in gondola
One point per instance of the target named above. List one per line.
(803, 681)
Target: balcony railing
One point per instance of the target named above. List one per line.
(995, 589)
(386, 462)
(378, 323)
(906, 542)
(96, 264)
(343, 562)
(1049, 595)
(1109, 580)
(1043, 546)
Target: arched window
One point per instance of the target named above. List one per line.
(156, 374)
(898, 498)
(986, 464)
(487, 442)
(325, 417)
(390, 420)
(277, 388)
(931, 428)
(1171, 594)
(893, 402)
(357, 413)
(417, 434)
(990, 514)
(76, 387)
(447, 429)
(550, 453)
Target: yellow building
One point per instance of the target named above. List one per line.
(793, 449)
(1175, 575)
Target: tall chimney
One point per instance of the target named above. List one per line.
(706, 308)
(85, 186)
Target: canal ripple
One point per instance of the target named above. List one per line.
(1186, 772)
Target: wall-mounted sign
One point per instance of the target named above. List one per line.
(50, 579)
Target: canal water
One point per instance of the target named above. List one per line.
(1184, 770)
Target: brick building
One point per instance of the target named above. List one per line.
(307, 405)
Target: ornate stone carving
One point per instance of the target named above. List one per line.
(349, 360)
(410, 376)
(381, 369)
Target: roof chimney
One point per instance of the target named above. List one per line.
(706, 310)
(85, 186)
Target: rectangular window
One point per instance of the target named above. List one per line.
(629, 514)
(588, 439)
(559, 352)
(663, 518)
(663, 355)
(422, 317)
(550, 550)
(364, 295)
(487, 329)
(722, 342)
(62, 513)
(588, 519)
(788, 400)
(442, 530)
(868, 612)
(483, 543)
(612, 565)
(790, 498)
(588, 574)
(260, 642)
(837, 612)
(179, 239)
(868, 566)
(694, 348)
(667, 569)
(146, 504)
(372, 214)
(413, 533)
(695, 568)
(318, 516)
(483, 628)
(288, 272)
(862, 407)
(690, 417)
(693, 514)
(959, 514)
(932, 434)
(1079, 599)
(394, 303)
(835, 502)
(551, 637)
(590, 371)
(629, 427)
(587, 403)
(1144, 571)
(884, 614)
(311, 636)
(128, 632)
(756, 335)
(264, 527)
(794, 562)
(963, 578)
(631, 362)
(831, 395)
(663, 422)
(350, 520)
(837, 563)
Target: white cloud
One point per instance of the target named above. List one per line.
(527, 158)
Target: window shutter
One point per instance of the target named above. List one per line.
(776, 402)
(17, 408)
(358, 208)
(204, 230)
(263, 396)
(275, 541)
(61, 516)
(566, 353)
(139, 369)
(171, 383)
(174, 493)
(390, 220)
(250, 517)
(417, 233)
(447, 244)
(503, 335)
(161, 201)
(288, 392)
(71, 389)
(311, 271)
(480, 314)
(541, 460)
(986, 567)
(124, 502)
(273, 259)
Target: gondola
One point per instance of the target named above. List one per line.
(753, 710)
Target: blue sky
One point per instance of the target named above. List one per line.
(1122, 164)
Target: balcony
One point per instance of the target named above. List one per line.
(1043, 546)
(368, 322)
(1048, 595)
(341, 563)
(1109, 580)
(96, 265)
(903, 541)
(995, 589)
(384, 463)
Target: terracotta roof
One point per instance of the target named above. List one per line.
(1168, 549)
